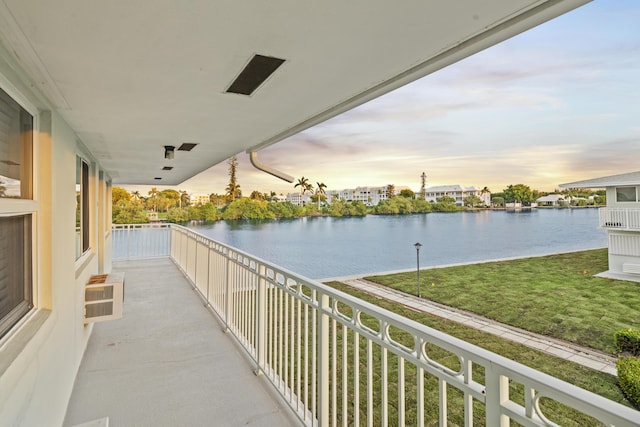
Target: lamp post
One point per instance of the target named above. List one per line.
(418, 246)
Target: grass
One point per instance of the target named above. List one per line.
(594, 381)
(554, 295)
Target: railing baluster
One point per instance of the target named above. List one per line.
(442, 391)
(384, 389)
(227, 293)
(299, 352)
(345, 377)
(323, 360)
(261, 321)
(356, 377)
(314, 357)
(369, 368)
(334, 373)
(468, 398)
(497, 392)
(420, 396)
(401, 394)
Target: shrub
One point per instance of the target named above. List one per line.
(629, 378)
(628, 341)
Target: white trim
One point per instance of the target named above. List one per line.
(17, 41)
(12, 207)
(17, 96)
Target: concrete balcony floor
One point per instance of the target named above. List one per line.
(167, 362)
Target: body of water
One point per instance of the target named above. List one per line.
(330, 247)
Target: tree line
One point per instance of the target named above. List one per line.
(523, 194)
(175, 205)
(132, 208)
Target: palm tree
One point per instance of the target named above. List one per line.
(304, 185)
(233, 189)
(320, 191)
(153, 195)
(484, 191)
(391, 191)
(184, 198)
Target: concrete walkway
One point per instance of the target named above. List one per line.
(585, 356)
(168, 363)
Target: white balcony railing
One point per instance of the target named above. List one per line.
(338, 360)
(136, 241)
(619, 218)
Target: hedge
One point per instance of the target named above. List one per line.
(629, 378)
(628, 341)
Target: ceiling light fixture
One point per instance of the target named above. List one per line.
(169, 152)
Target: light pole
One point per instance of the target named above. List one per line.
(418, 246)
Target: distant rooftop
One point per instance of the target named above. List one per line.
(630, 178)
(444, 188)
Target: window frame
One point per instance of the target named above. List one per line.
(83, 173)
(27, 206)
(635, 189)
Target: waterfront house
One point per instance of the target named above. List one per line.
(94, 94)
(554, 200)
(621, 219)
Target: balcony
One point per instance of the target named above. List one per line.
(332, 359)
(620, 219)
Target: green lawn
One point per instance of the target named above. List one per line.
(554, 295)
(594, 381)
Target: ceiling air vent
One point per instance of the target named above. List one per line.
(254, 74)
(167, 168)
(187, 146)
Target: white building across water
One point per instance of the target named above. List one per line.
(370, 196)
(457, 192)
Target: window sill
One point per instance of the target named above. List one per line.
(24, 334)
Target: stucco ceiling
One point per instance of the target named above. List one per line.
(133, 76)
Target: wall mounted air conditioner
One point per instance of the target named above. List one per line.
(103, 297)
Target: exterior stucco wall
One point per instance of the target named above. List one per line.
(40, 357)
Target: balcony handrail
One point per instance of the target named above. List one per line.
(279, 317)
(619, 218)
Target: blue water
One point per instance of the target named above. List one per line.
(330, 247)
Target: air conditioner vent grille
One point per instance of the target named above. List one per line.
(103, 297)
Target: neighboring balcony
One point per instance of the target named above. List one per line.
(334, 359)
(620, 219)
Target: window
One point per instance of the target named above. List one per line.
(626, 194)
(15, 270)
(82, 207)
(16, 232)
(15, 149)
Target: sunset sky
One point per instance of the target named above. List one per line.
(556, 104)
